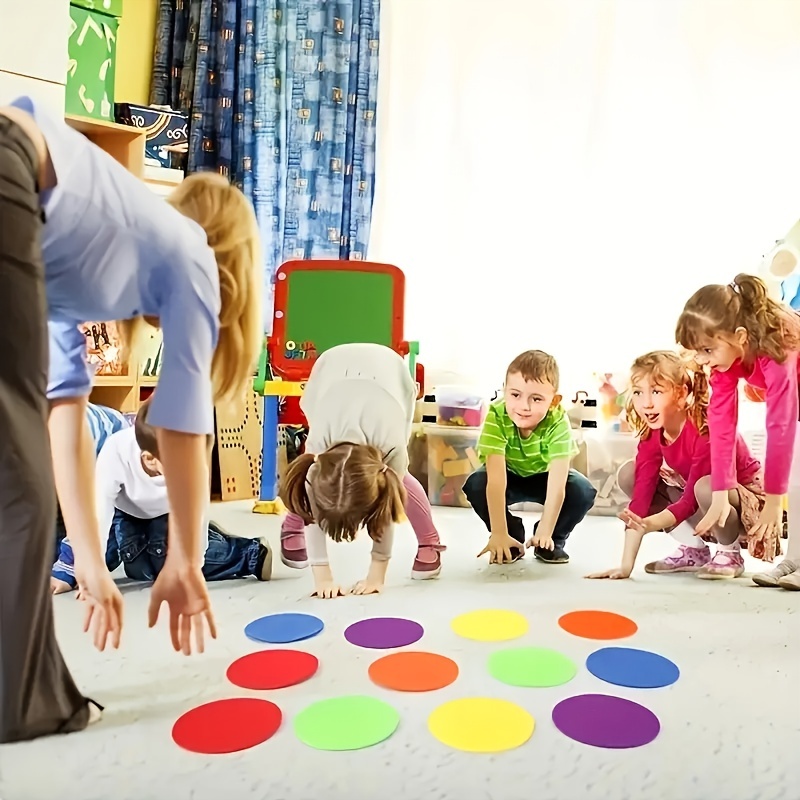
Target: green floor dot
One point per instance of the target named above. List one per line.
(531, 667)
(346, 723)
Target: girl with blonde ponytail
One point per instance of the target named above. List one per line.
(669, 483)
(741, 334)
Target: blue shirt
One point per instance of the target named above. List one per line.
(113, 250)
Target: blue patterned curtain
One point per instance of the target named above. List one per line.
(281, 95)
(204, 65)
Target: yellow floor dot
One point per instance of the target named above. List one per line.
(490, 625)
(481, 725)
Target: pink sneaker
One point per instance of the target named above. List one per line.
(293, 549)
(684, 559)
(725, 564)
(428, 563)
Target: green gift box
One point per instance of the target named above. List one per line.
(92, 58)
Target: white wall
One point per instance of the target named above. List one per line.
(33, 50)
(563, 174)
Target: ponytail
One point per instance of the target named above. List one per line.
(697, 402)
(293, 490)
(390, 503)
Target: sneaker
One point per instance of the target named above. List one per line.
(772, 579)
(790, 581)
(555, 556)
(725, 564)
(293, 549)
(264, 563)
(428, 563)
(684, 559)
(95, 711)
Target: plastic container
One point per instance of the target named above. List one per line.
(459, 405)
(601, 454)
(452, 456)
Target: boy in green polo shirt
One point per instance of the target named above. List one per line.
(526, 446)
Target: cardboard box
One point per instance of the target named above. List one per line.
(167, 133)
(92, 57)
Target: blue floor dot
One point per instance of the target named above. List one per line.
(284, 628)
(636, 669)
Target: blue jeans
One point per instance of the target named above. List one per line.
(578, 499)
(142, 548)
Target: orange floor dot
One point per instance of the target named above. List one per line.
(413, 671)
(598, 625)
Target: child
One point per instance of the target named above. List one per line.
(669, 479)
(82, 238)
(359, 402)
(740, 332)
(526, 446)
(133, 510)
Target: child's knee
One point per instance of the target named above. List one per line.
(580, 493)
(703, 493)
(626, 478)
(475, 485)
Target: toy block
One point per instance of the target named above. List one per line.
(452, 469)
(474, 461)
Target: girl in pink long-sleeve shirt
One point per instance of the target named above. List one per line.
(669, 483)
(742, 334)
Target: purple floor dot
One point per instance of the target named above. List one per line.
(380, 633)
(605, 721)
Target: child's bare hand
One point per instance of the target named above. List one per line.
(328, 591)
(367, 587)
(60, 587)
(618, 573)
(541, 541)
(500, 548)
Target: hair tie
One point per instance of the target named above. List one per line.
(734, 286)
(384, 468)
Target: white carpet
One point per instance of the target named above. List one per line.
(729, 725)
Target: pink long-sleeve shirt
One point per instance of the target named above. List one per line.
(780, 384)
(690, 457)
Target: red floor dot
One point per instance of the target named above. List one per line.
(227, 726)
(272, 669)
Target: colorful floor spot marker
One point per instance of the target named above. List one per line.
(601, 720)
(481, 725)
(346, 723)
(598, 625)
(531, 667)
(381, 633)
(413, 671)
(637, 669)
(227, 726)
(490, 625)
(272, 669)
(284, 628)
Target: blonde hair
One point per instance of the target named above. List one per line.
(351, 486)
(773, 329)
(232, 232)
(535, 365)
(670, 369)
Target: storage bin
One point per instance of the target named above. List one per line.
(418, 455)
(452, 456)
(600, 456)
(459, 405)
(92, 51)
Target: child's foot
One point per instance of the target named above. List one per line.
(555, 556)
(684, 559)
(95, 712)
(264, 563)
(773, 578)
(59, 587)
(293, 549)
(428, 563)
(790, 581)
(725, 564)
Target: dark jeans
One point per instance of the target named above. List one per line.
(141, 545)
(578, 499)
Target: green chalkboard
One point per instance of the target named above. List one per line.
(326, 308)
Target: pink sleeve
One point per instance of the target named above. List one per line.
(723, 417)
(647, 468)
(781, 386)
(700, 467)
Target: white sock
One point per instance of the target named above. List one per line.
(733, 548)
(683, 533)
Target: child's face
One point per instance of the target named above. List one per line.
(151, 464)
(719, 352)
(527, 402)
(654, 402)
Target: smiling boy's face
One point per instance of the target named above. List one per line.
(527, 402)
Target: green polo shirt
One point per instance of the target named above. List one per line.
(550, 439)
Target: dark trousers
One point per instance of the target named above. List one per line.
(578, 499)
(141, 545)
(37, 693)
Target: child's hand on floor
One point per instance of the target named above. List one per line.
(328, 591)
(541, 541)
(499, 548)
(618, 573)
(367, 587)
(60, 587)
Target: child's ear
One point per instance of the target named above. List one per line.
(556, 400)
